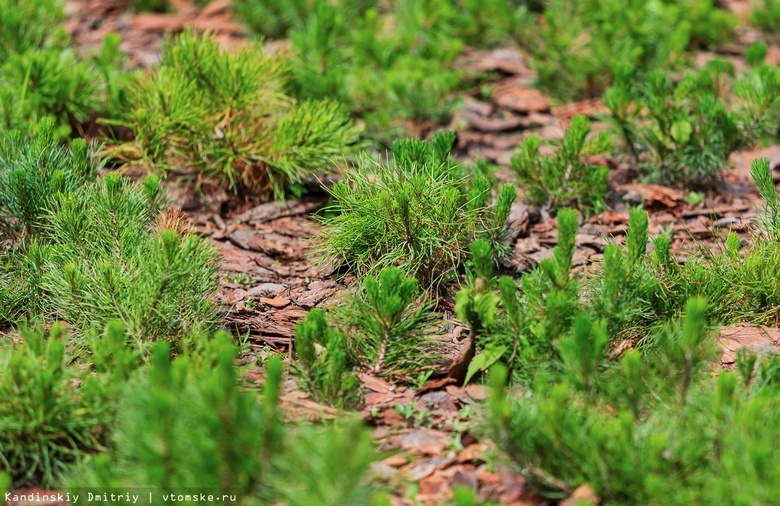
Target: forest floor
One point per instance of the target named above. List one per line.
(269, 279)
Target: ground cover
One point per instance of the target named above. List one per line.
(390, 252)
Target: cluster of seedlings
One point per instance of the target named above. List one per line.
(116, 372)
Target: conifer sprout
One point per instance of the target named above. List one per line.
(579, 48)
(370, 56)
(42, 76)
(185, 424)
(762, 176)
(328, 374)
(28, 24)
(643, 430)
(766, 14)
(32, 173)
(105, 260)
(683, 133)
(100, 249)
(45, 426)
(227, 117)
(416, 211)
(565, 178)
(388, 325)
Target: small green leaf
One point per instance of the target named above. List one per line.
(681, 132)
(483, 361)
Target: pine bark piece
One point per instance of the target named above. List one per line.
(273, 210)
(521, 99)
(753, 338)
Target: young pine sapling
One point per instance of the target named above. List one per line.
(566, 177)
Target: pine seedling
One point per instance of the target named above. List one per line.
(583, 351)
(112, 358)
(327, 466)
(114, 68)
(614, 282)
(420, 94)
(103, 259)
(327, 374)
(32, 172)
(746, 366)
(550, 293)
(558, 268)
(582, 45)
(186, 425)
(686, 353)
(387, 323)
(27, 24)
(770, 216)
(227, 117)
(564, 178)
(635, 387)
(619, 99)
(636, 239)
(755, 54)
(342, 52)
(477, 303)
(273, 18)
(623, 288)
(45, 425)
(48, 82)
(683, 133)
(322, 62)
(415, 212)
(393, 322)
(766, 14)
(511, 302)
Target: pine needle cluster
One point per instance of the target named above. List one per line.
(565, 178)
(417, 212)
(272, 18)
(559, 317)
(98, 249)
(766, 14)
(383, 331)
(42, 76)
(31, 173)
(390, 63)
(154, 444)
(653, 427)
(27, 24)
(45, 426)
(104, 258)
(630, 426)
(580, 46)
(683, 133)
(186, 425)
(227, 117)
